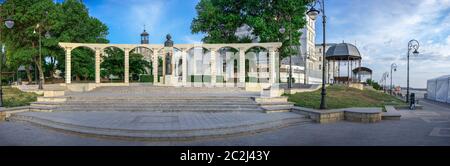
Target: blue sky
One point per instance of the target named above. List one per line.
(380, 28)
(126, 18)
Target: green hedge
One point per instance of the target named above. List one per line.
(220, 79)
(199, 78)
(146, 78)
(251, 79)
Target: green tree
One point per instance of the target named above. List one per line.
(79, 27)
(83, 64)
(220, 19)
(113, 63)
(66, 22)
(138, 65)
(22, 43)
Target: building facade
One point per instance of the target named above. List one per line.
(308, 61)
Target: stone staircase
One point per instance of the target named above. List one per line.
(152, 98)
(253, 123)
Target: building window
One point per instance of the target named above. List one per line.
(320, 67)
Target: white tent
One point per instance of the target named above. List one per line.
(438, 89)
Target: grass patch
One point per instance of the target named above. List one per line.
(13, 97)
(339, 96)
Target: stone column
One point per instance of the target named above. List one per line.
(184, 66)
(194, 63)
(242, 67)
(155, 67)
(68, 65)
(173, 81)
(272, 74)
(97, 65)
(127, 66)
(213, 67)
(164, 66)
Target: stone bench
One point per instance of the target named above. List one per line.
(362, 115)
(391, 113)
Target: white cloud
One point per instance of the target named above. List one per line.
(192, 40)
(382, 29)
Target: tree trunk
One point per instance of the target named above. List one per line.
(38, 62)
(53, 68)
(41, 71)
(27, 70)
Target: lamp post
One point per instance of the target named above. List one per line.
(412, 45)
(385, 77)
(282, 31)
(47, 35)
(9, 23)
(306, 68)
(313, 13)
(393, 68)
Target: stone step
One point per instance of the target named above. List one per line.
(51, 99)
(84, 98)
(270, 100)
(148, 103)
(275, 103)
(120, 105)
(159, 99)
(163, 135)
(107, 105)
(45, 104)
(53, 93)
(162, 109)
(277, 108)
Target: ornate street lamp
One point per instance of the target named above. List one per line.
(9, 23)
(393, 68)
(385, 77)
(313, 13)
(282, 30)
(412, 45)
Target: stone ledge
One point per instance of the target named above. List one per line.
(391, 114)
(5, 113)
(406, 107)
(362, 115)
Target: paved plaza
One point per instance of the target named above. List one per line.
(430, 126)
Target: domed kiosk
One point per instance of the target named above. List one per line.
(345, 53)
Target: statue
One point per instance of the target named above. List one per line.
(169, 42)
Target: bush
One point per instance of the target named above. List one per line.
(200, 78)
(146, 78)
(13, 97)
(251, 79)
(293, 79)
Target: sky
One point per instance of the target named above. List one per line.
(380, 29)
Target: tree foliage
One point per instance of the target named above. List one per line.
(83, 64)
(219, 20)
(68, 21)
(138, 65)
(113, 63)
